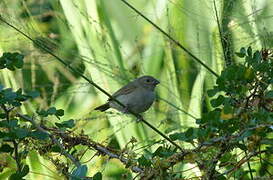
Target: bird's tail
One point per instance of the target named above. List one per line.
(103, 107)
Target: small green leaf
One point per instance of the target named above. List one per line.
(24, 171)
(162, 152)
(189, 133)
(144, 162)
(2, 115)
(66, 124)
(11, 61)
(97, 176)
(42, 113)
(269, 94)
(60, 112)
(21, 133)
(249, 51)
(39, 135)
(218, 101)
(268, 141)
(245, 135)
(56, 148)
(242, 52)
(33, 94)
(212, 92)
(51, 111)
(178, 136)
(79, 173)
(15, 176)
(9, 124)
(6, 148)
(257, 56)
(226, 157)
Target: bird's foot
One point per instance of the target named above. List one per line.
(139, 118)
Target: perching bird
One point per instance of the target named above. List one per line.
(138, 96)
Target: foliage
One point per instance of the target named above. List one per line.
(225, 132)
(241, 120)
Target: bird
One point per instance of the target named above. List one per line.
(137, 96)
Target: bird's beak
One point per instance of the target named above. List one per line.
(156, 82)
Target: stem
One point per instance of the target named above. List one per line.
(248, 163)
(16, 155)
(64, 152)
(171, 38)
(163, 135)
(15, 144)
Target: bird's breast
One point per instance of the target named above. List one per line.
(138, 101)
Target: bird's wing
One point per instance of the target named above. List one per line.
(130, 87)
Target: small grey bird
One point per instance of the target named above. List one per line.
(138, 96)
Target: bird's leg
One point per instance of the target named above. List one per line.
(139, 118)
(125, 110)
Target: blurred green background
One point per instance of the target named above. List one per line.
(112, 45)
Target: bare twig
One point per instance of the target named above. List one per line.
(170, 37)
(83, 140)
(242, 161)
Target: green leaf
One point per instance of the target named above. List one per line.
(162, 152)
(19, 175)
(51, 111)
(269, 94)
(249, 51)
(11, 61)
(79, 173)
(60, 112)
(212, 92)
(55, 148)
(268, 141)
(218, 101)
(245, 135)
(242, 52)
(189, 132)
(42, 113)
(257, 56)
(226, 157)
(9, 124)
(241, 146)
(144, 161)
(178, 136)
(6, 148)
(33, 94)
(66, 124)
(21, 133)
(15, 176)
(24, 171)
(2, 115)
(97, 176)
(39, 135)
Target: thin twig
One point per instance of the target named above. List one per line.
(98, 147)
(170, 37)
(64, 152)
(248, 163)
(220, 32)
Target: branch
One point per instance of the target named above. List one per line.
(64, 152)
(170, 37)
(83, 140)
(242, 161)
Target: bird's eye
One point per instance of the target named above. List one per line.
(148, 80)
